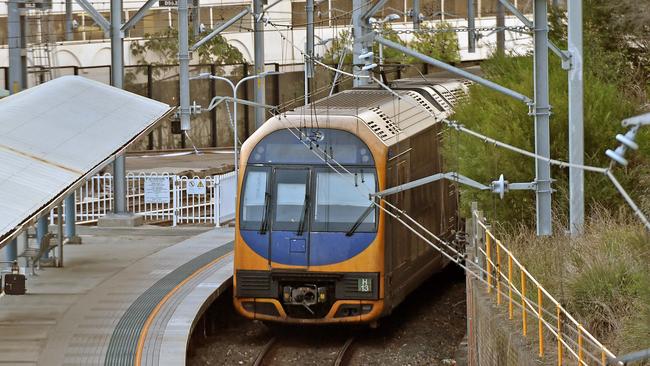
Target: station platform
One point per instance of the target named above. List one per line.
(124, 297)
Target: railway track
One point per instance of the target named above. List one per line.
(273, 347)
(425, 330)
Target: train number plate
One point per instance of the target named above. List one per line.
(364, 285)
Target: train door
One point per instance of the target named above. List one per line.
(289, 242)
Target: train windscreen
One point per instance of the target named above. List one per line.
(341, 200)
(289, 186)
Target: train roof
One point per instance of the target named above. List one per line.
(419, 106)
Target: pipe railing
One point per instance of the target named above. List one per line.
(535, 303)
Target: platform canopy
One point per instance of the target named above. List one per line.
(55, 135)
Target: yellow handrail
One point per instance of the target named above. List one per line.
(539, 322)
(509, 286)
(525, 276)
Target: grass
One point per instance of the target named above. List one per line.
(602, 278)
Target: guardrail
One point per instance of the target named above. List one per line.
(160, 197)
(526, 299)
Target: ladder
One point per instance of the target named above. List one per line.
(39, 49)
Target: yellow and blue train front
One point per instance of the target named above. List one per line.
(309, 245)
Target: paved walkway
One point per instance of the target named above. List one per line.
(113, 285)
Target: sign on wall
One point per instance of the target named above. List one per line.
(156, 189)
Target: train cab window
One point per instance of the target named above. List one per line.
(342, 199)
(254, 198)
(290, 196)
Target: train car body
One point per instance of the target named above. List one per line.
(310, 246)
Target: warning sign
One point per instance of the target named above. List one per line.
(156, 189)
(196, 186)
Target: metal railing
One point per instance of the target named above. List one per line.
(512, 285)
(160, 197)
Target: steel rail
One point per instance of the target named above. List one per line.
(344, 352)
(259, 360)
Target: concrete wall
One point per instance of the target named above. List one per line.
(493, 339)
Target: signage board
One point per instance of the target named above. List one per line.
(156, 189)
(196, 186)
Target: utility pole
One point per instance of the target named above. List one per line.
(68, 21)
(260, 84)
(416, 15)
(361, 45)
(542, 111)
(576, 122)
(471, 26)
(16, 41)
(501, 32)
(309, 50)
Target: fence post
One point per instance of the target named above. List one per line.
(216, 193)
(174, 201)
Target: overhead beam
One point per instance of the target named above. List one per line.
(220, 29)
(528, 23)
(452, 176)
(138, 15)
(97, 17)
(373, 9)
(460, 72)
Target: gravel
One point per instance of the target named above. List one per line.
(426, 329)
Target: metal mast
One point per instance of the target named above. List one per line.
(309, 62)
(184, 64)
(260, 85)
(361, 45)
(68, 20)
(416, 15)
(501, 32)
(471, 26)
(117, 80)
(542, 114)
(576, 123)
(17, 56)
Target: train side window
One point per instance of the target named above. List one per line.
(253, 201)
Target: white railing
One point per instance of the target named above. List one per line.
(161, 197)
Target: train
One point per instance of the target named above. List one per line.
(311, 247)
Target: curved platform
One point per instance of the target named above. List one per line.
(141, 314)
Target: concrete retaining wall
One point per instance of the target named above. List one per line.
(493, 339)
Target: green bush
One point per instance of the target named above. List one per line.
(608, 98)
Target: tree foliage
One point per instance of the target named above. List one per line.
(439, 42)
(163, 46)
(341, 46)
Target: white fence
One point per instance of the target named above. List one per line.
(161, 197)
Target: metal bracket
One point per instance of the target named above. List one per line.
(195, 108)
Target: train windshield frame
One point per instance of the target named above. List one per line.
(297, 190)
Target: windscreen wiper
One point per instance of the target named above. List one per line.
(301, 226)
(363, 216)
(265, 218)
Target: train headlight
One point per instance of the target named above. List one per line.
(322, 294)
